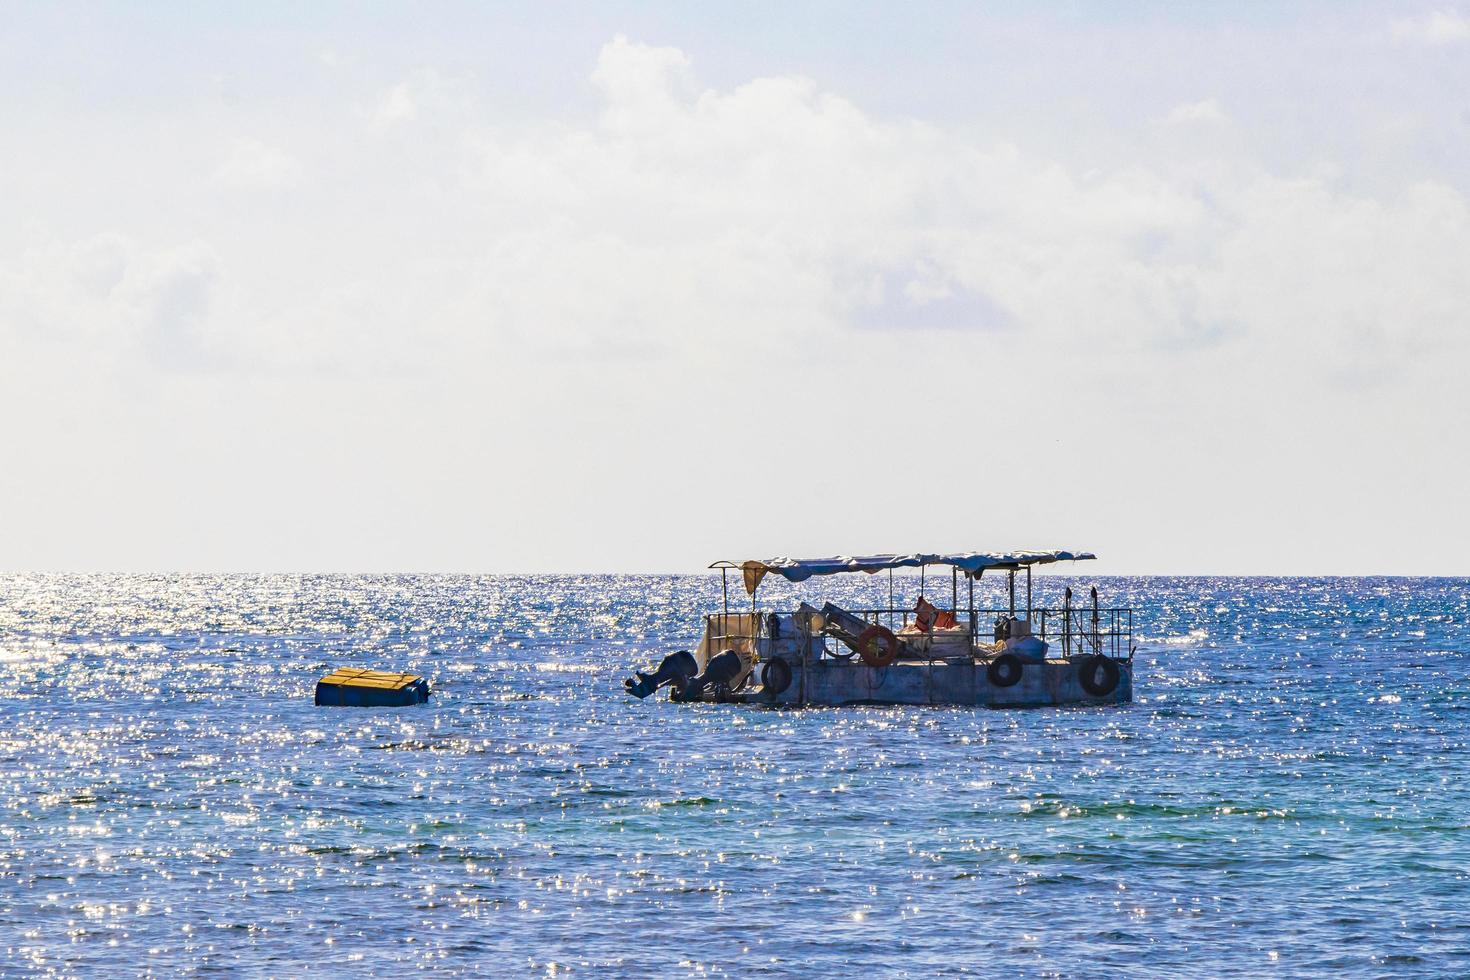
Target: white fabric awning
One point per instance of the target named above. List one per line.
(971, 562)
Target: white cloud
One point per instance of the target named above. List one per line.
(105, 295)
(254, 165)
(641, 83)
(777, 210)
(1436, 28)
(423, 91)
(1207, 111)
(397, 106)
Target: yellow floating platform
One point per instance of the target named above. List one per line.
(360, 688)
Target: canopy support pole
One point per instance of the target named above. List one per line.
(1028, 593)
(972, 612)
(725, 593)
(890, 598)
(1013, 593)
(1096, 636)
(954, 587)
(1067, 622)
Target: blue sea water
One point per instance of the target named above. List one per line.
(1287, 795)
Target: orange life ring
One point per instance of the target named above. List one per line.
(868, 646)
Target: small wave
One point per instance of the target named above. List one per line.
(1193, 638)
(684, 801)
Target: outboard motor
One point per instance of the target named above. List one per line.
(677, 669)
(721, 670)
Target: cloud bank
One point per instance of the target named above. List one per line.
(683, 219)
(506, 337)
(1438, 28)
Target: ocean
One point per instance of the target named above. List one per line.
(1286, 796)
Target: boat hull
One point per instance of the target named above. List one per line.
(1051, 682)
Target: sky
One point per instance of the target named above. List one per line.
(564, 287)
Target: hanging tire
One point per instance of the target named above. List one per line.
(1099, 675)
(1005, 670)
(877, 646)
(776, 677)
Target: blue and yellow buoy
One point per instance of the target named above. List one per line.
(359, 688)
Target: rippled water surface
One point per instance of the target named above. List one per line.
(1288, 795)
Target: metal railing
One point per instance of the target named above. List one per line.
(1073, 628)
(1073, 631)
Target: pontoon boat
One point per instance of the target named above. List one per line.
(1018, 656)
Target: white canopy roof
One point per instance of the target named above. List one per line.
(972, 562)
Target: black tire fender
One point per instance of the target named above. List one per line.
(776, 677)
(1098, 675)
(1005, 670)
